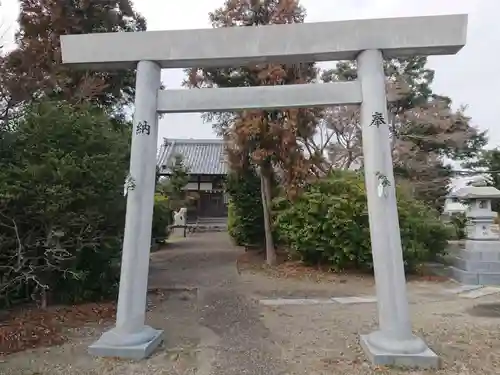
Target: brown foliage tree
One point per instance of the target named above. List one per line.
(424, 128)
(271, 138)
(6, 102)
(36, 63)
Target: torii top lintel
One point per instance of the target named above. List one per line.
(308, 42)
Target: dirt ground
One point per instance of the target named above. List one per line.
(175, 312)
(215, 325)
(324, 339)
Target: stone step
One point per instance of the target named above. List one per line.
(467, 277)
(485, 251)
(210, 228)
(473, 265)
(476, 267)
(474, 278)
(210, 220)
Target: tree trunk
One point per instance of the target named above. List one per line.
(43, 299)
(265, 187)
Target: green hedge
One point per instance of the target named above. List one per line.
(328, 225)
(245, 217)
(162, 218)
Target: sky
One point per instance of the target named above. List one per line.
(455, 75)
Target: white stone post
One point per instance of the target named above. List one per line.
(131, 338)
(394, 343)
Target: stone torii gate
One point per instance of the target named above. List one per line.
(367, 41)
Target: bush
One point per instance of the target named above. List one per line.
(162, 218)
(62, 208)
(245, 215)
(458, 222)
(328, 224)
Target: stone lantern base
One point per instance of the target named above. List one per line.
(478, 263)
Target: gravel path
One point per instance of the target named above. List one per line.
(211, 327)
(244, 345)
(215, 325)
(324, 339)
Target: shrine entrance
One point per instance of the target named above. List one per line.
(367, 41)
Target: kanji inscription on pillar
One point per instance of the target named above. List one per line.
(143, 128)
(377, 119)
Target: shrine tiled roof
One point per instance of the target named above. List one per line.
(201, 156)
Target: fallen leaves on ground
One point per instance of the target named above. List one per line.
(428, 278)
(33, 327)
(255, 261)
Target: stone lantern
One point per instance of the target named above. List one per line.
(481, 219)
(479, 262)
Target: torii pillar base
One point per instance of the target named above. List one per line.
(379, 357)
(113, 344)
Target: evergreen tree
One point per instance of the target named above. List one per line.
(173, 186)
(62, 208)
